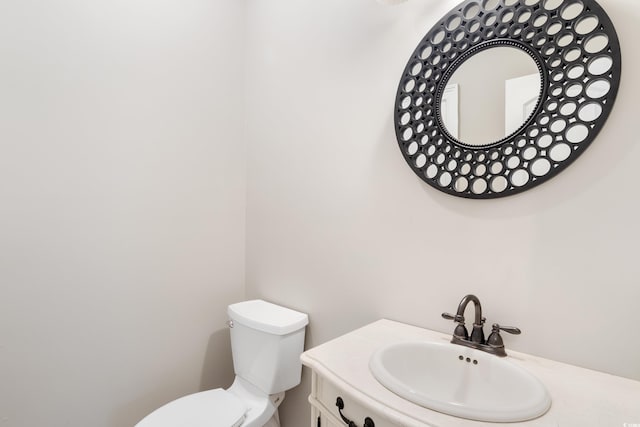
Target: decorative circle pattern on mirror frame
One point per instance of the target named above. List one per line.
(576, 48)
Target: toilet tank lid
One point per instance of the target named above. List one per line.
(267, 317)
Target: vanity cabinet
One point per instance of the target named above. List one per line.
(323, 398)
(340, 368)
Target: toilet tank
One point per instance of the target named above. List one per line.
(266, 342)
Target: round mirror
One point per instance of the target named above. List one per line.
(482, 103)
(502, 95)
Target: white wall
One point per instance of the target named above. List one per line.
(338, 225)
(122, 201)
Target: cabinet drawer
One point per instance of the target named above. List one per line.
(326, 394)
(322, 419)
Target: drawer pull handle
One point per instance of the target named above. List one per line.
(368, 422)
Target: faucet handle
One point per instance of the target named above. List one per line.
(456, 318)
(461, 331)
(495, 340)
(509, 329)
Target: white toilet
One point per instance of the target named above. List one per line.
(266, 343)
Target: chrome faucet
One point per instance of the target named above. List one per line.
(493, 344)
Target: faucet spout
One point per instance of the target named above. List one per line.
(477, 334)
(476, 303)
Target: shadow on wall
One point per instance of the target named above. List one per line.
(129, 414)
(295, 401)
(217, 372)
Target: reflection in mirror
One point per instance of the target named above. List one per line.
(600, 65)
(586, 25)
(461, 184)
(577, 133)
(519, 177)
(552, 4)
(596, 43)
(572, 11)
(449, 109)
(484, 103)
(499, 184)
(590, 111)
(540, 167)
(598, 88)
(560, 152)
(479, 186)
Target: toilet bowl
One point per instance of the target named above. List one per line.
(266, 343)
(239, 406)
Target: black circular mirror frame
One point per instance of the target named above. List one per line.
(576, 49)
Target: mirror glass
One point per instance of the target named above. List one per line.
(491, 95)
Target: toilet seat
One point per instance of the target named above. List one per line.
(212, 408)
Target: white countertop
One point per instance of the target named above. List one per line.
(580, 397)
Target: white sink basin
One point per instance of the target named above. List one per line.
(460, 381)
